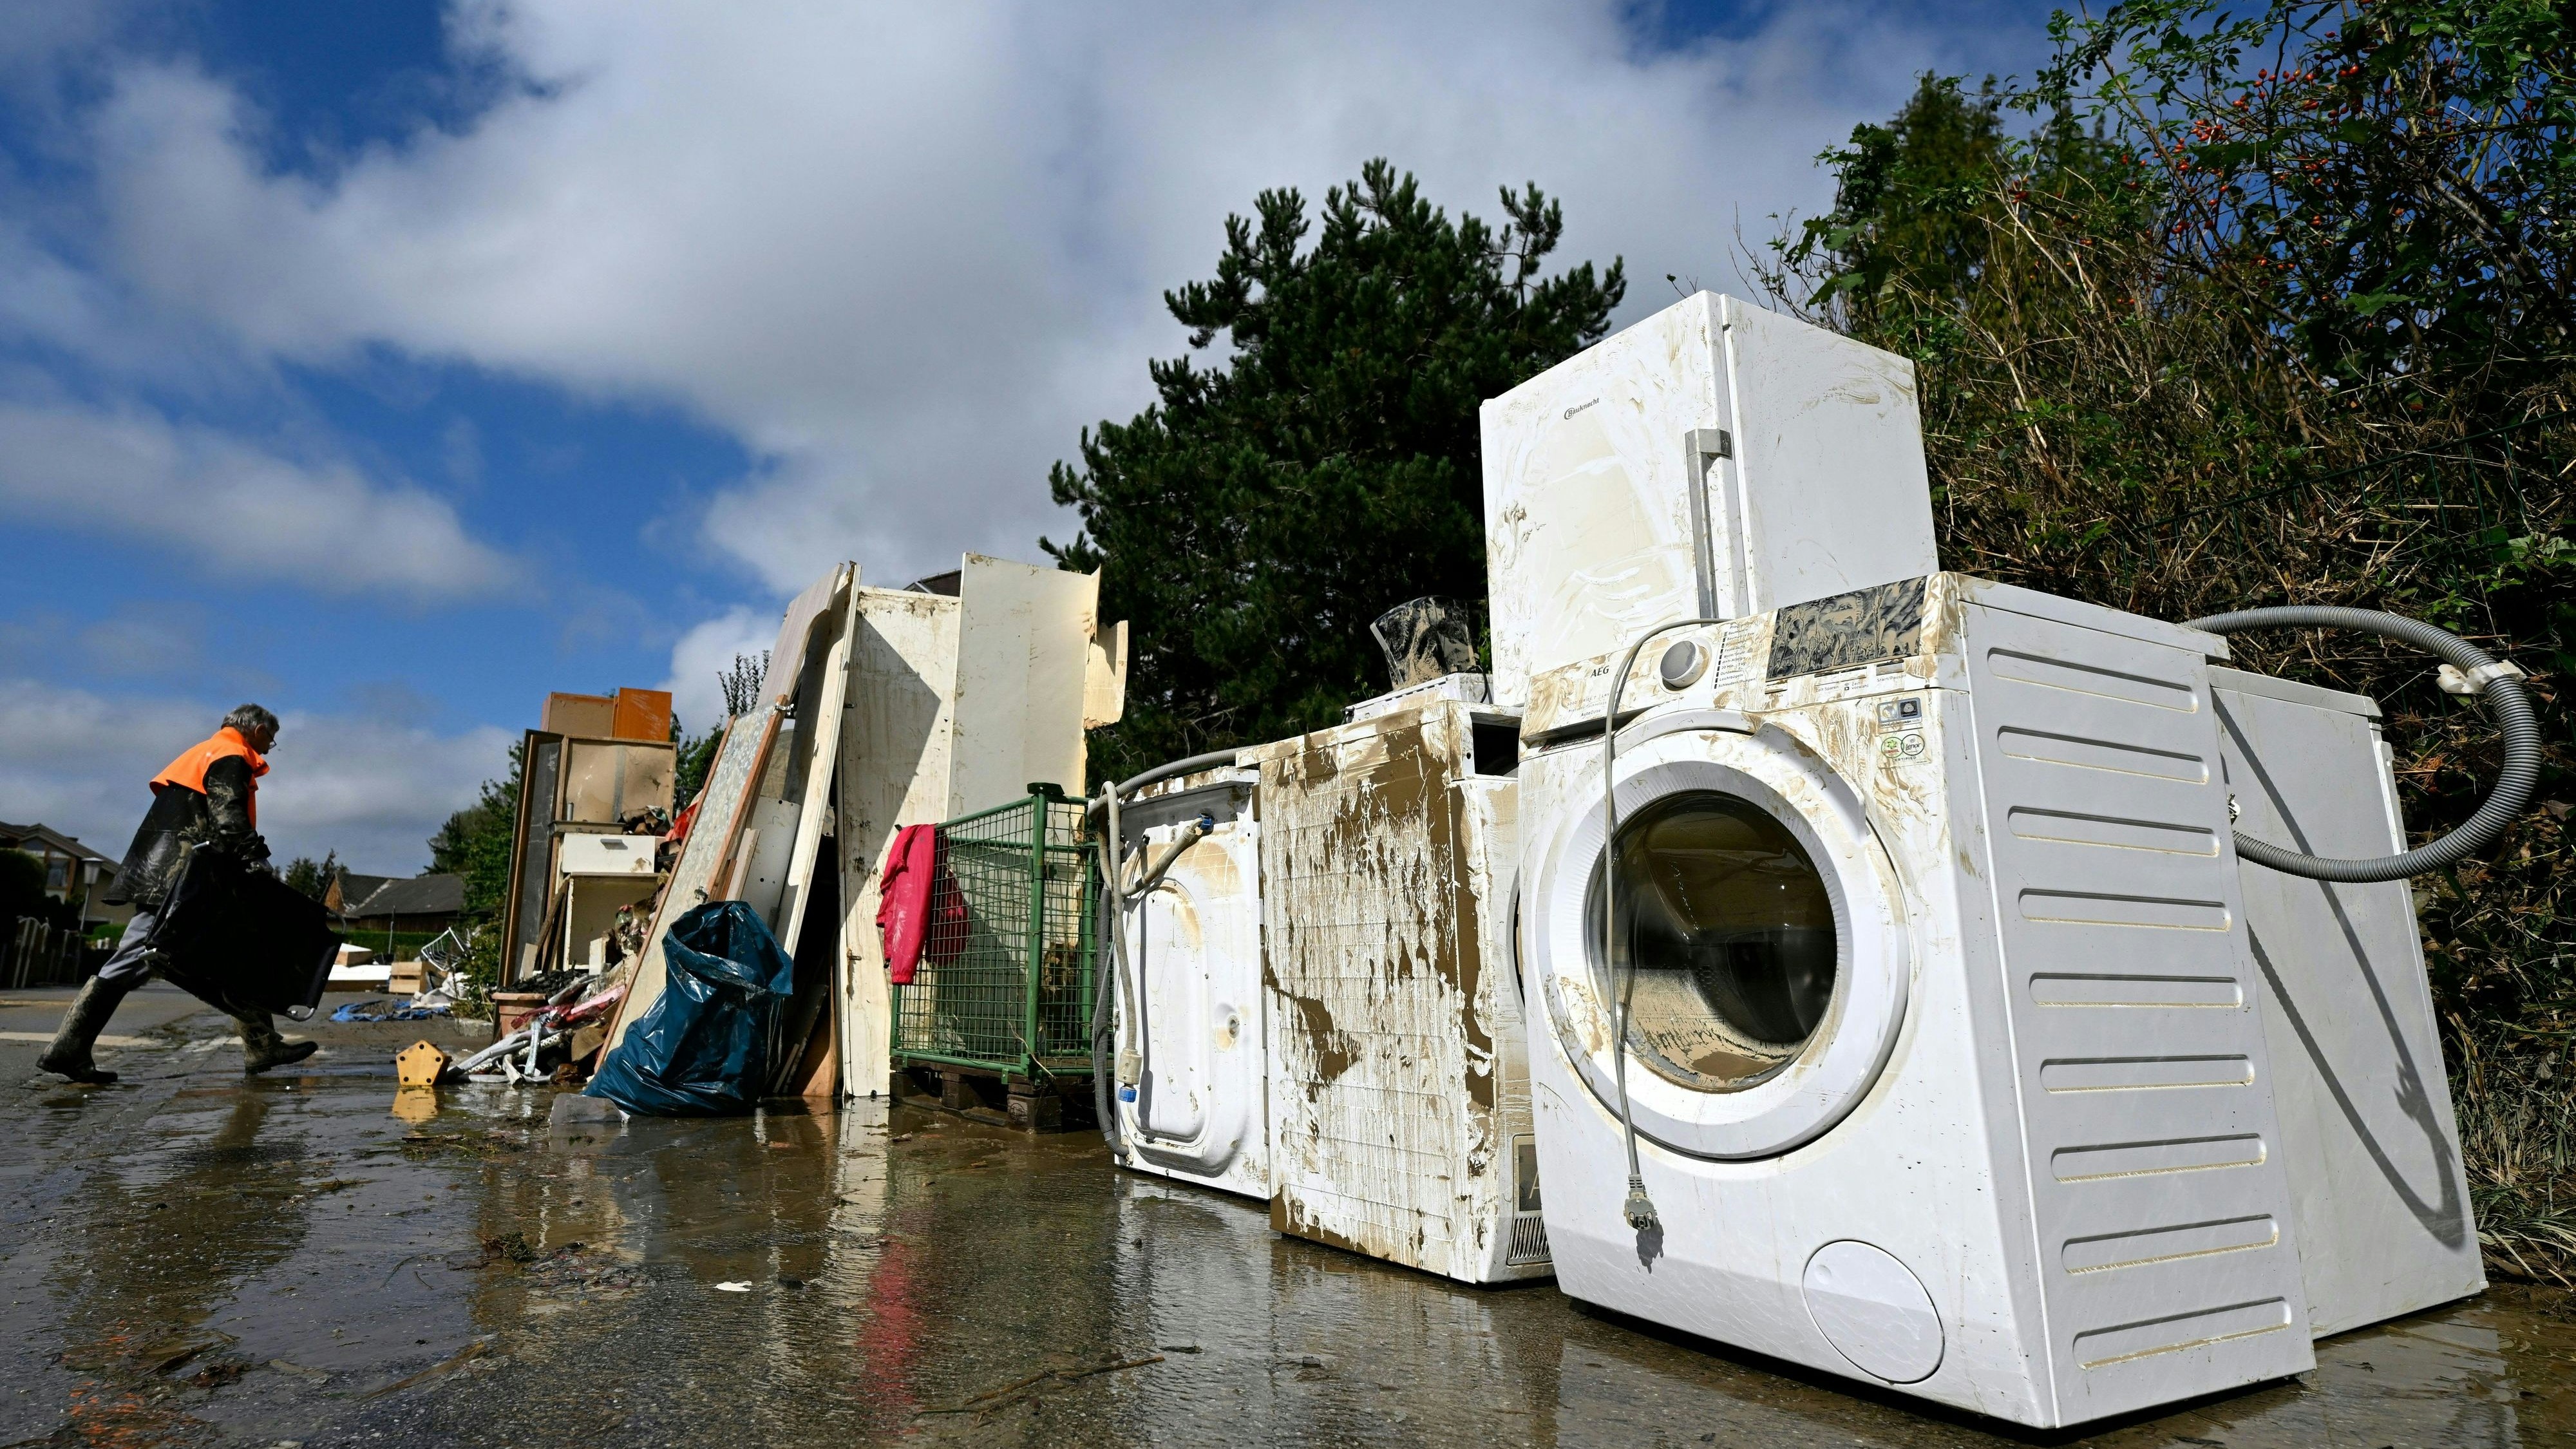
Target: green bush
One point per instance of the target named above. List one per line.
(2276, 310)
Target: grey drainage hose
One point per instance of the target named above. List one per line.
(1103, 1019)
(2480, 674)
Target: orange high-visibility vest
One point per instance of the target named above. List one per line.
(191, 766)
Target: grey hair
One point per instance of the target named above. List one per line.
(250, 719)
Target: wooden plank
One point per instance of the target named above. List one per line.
(817, 1074)
(813, 1020)
(824, 754)
(787, 656)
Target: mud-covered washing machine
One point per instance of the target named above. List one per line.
(1399, 1091)
(1193, 1011)
(1318, 990)
(1941, 1055)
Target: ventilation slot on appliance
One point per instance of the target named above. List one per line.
(2098, 908)
(2129, 1074)
(2125, 759)
(2166, 1245)
(2104, 1346)
(2092, 679)
(2144, 1159)
(2107, 989)
(1529, 1239)
(2075, 828)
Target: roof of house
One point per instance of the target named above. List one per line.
(421, 895)
(353, 888)
(22, 837)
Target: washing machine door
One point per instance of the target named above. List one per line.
(1196, 944)
(1754, 921)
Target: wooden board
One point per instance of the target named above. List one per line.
(816, 796)
(787, 656)
(709, 845)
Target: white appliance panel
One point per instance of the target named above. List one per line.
(2368, 1134)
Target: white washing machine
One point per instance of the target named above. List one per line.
(1945, 1057)
(1193, 1011)
(1969, 1056)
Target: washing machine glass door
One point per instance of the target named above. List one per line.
(1724, 942)
(1754, 924)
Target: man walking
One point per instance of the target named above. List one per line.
(208, 797)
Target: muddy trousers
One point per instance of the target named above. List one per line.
(133, 963)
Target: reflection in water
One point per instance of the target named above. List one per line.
(164, 1232)
(924, 1278)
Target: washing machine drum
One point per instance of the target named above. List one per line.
(1755, 924)
(1726, 930)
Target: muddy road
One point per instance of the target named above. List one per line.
(190, 1257)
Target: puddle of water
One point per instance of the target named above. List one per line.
(265, 1260)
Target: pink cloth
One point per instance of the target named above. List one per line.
(920, 912)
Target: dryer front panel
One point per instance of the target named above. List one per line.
(1754, 923)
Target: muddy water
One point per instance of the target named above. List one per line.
(194, 1258)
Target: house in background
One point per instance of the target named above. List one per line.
(347, 889)
(74, 873)
(428, 903)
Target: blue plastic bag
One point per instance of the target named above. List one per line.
(704, 1049)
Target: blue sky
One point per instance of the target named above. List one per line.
(396, 363)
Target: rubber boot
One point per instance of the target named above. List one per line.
(263, 1048)
(87, 1016)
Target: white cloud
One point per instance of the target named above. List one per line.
(233, 509)
(55, 302)
(704, 654)
(904, 253)
(373, 789)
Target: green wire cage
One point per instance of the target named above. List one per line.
(1004, 983)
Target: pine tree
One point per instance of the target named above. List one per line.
(313, 878)
(1254, 520)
